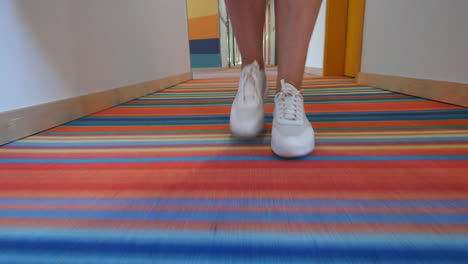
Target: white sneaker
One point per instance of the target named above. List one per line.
(292, 134)
(247, 111)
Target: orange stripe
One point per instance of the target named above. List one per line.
(228, 208)
(278, 175)
(139, 128)
(313, 108)
(409, 195)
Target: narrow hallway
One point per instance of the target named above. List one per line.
(161, 178)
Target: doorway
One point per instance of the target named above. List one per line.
(343, 37)
(230, 54)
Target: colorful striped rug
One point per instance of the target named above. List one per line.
(161, 180)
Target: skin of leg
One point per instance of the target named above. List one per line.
(295, 21)
(248, 20)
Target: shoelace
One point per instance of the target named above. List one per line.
(290, 102)
(247, 83)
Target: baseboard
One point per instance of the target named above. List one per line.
(27, 121)
(314, 71)
(447, 92)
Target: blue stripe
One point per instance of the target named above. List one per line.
(243, 217)
(105, 243)
(228, 101)
(271, 95)
(163, 104)
(234, 142)
(236, 158)
(311, 91)
(268, 120)
(238, 236)
(311, 115)
(180, 132)
(170, 102)
(233, 250)
(259, 141)
(72, 258)
(306, 99)
(221, 119)
(329, 91)
(204, 102)
(21, 257)
(147, 143)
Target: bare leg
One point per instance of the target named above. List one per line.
(295, 21)
(248, 20)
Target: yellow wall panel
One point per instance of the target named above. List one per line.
(201, 8)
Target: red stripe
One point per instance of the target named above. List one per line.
(250, 164)
(232, 186)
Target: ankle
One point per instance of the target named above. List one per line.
(246, 62)
(296, 84)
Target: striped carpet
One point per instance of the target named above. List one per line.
(160, 180)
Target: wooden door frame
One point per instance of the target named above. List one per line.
(336, 30)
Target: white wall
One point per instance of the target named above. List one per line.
(317, 42)
(58, 49)
(426, 39)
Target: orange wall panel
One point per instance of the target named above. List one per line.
(206, 27)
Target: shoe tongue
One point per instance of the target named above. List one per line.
(289, 114)
(288, 93)
(289, 90)
(249, 89)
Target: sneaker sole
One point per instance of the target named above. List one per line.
(290, 155)
(247, 135)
